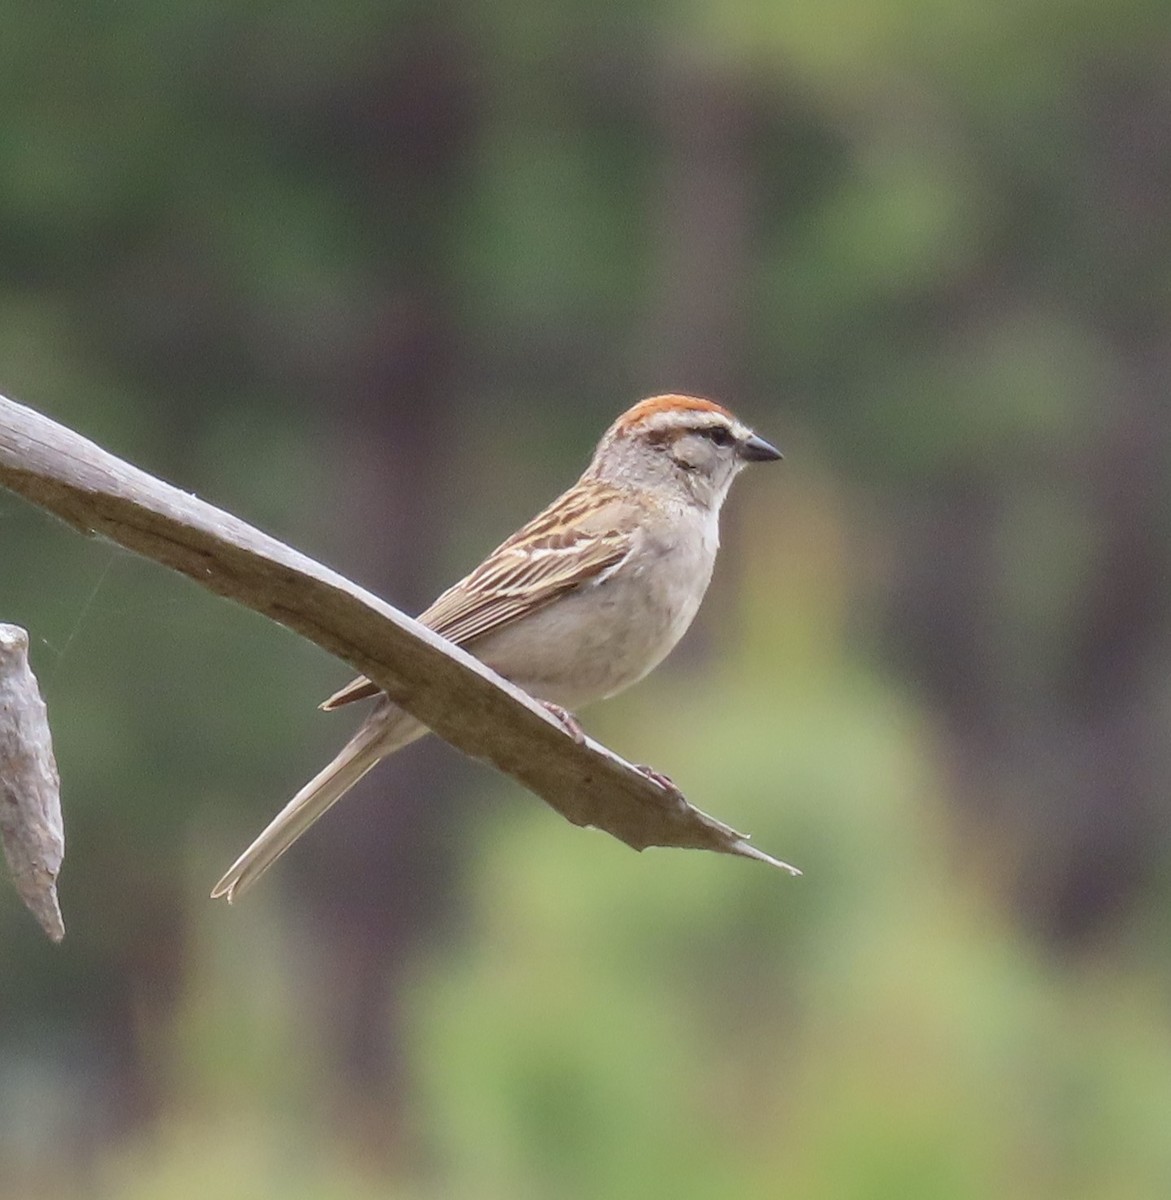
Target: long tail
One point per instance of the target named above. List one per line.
(386, 730)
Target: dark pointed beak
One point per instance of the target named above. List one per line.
(756, 449)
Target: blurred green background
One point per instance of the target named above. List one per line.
(375, 276)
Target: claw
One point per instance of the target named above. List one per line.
(664, 781)
(568, 721)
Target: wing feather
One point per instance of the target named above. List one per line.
(577, 539)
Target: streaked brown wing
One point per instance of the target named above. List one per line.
(580, 536)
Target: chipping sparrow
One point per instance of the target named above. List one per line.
(580, 603)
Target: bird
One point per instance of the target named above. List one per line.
(577, 605)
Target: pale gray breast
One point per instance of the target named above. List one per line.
(604, 636)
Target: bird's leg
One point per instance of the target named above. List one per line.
(568, 721)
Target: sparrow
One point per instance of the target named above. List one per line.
(577, 605)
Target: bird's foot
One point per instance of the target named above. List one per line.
(568, 721)
(664, 781)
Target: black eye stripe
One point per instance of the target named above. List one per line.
(721, 435)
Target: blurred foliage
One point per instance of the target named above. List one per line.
(374, 277)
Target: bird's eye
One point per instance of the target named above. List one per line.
(721, 435)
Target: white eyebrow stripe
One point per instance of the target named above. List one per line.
(693, 420)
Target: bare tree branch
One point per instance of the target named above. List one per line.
(450, 691)
(30, 795)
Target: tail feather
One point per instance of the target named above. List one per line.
(383, 733)
(357, 689)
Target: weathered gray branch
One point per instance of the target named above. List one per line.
(454, 694)
(30, 799)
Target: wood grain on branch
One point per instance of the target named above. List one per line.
(31, 829)
(459, 698)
